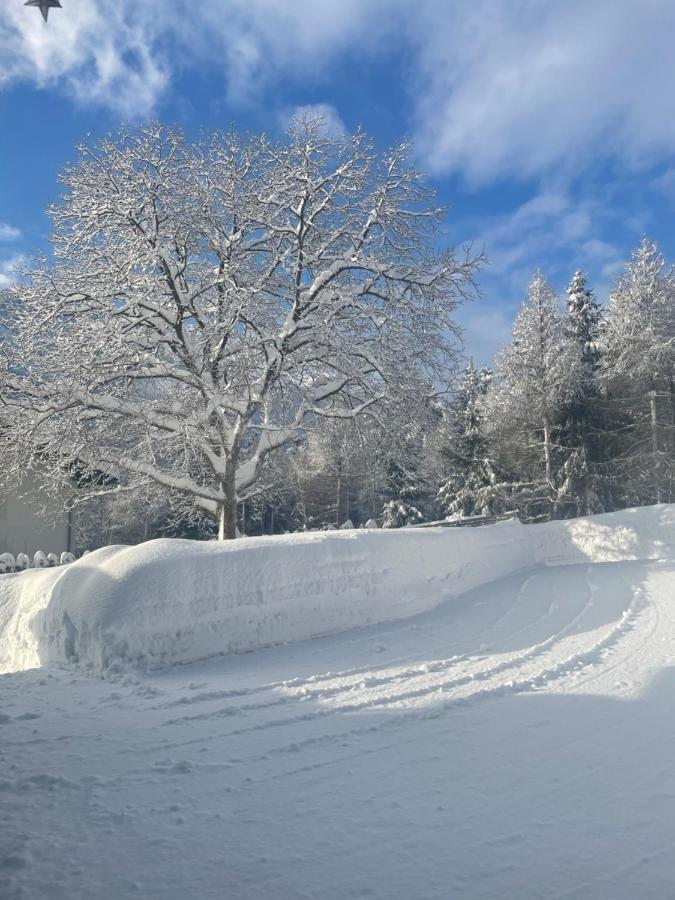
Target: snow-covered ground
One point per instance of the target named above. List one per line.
(511, 741)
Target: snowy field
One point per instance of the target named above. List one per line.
(503, 728)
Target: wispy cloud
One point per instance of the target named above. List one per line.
(10, 269)
(560, 228)
(556, 224)
(512, 89)
(9, 232)
(124, 55)
(518, 89)
(485, 330)
(109, 55)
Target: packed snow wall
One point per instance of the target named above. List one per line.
(172, 601)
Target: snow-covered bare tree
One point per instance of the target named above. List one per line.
(333, 466)
(206, 299)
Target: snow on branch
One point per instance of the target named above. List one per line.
(206, 299)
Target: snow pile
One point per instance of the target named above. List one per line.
(646, 532)
(172, 601)
(23, 598)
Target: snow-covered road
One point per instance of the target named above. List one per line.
(514, 743)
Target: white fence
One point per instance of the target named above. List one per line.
(9, 563)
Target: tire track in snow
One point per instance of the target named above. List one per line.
(534, 681)
(646, 601)
(590, 656)
(350, 680)
(531, 681)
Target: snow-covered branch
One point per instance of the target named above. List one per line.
(207, 300)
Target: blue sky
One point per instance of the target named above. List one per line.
(547, 127)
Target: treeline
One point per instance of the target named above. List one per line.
(577, 417)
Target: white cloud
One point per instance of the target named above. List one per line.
(521, 88)
(106, 55)
(10, 268)
(123, 55)
(496, 89)
(485, 330)
(561, 230)
(9, 232)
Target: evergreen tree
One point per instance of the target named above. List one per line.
(638, 341)
(582, 486)
(405, 481)
(537, 377)
(471, 474)
(583, 324)
(398, 514)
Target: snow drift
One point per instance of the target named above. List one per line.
(173, 601)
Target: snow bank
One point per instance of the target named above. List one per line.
(646, 532)
(171, 601)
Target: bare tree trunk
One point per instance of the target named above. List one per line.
(69, 529)
(339, 493)
(547, 455)
(655, 447)
(227, 509)
(303, 507)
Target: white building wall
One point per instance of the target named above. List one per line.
(27, 524)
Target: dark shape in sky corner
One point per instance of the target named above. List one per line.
(44, 6)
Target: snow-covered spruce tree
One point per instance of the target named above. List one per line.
(638, 370)
(206, 300)
(582, 421)
(409, 458)
(470, 475)
(536, 377)
(583, 326)
(398, 514)
(403, 483)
